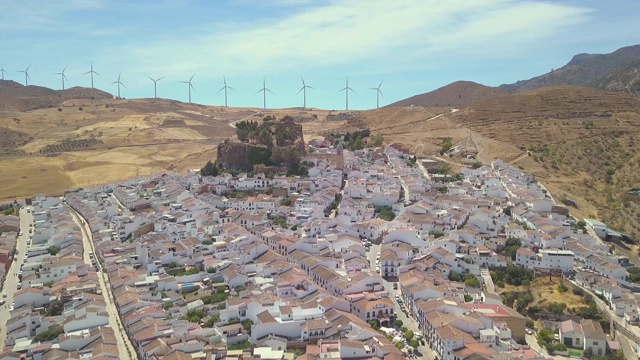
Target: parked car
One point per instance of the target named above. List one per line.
(395, 286)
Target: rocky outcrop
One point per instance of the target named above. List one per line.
(272, 143)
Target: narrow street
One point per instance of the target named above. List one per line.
(11, 281)
(488, 281)
(409, 322)
(125, 348)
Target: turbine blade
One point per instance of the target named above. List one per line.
(115, 82)
(122, 85)
(192, 88)
(88, 72)
(160, 78)
(221, 89)
(65, 76)
(95, 72)
(192, 77)
(270, 91)
(63, 70)
(303, 84)
(380, 92)
(229, 87)
(380, 84)
(28, 68)
(151, 78)
(311, 87)
(257, 92)
(299, 91)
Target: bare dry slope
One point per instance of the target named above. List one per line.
(583, 142)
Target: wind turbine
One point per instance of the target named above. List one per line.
(264, 93)
(26, 75)
(225, 87)
(91, 72)
(378, 94)
(304, 92)
(190, 86)
(63, 76)
(119, 83)
(346, 89)
(2, 70)
(155, 86)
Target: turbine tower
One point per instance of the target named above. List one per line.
(303, 89)
(119, 83)
(264, 93)
(155, 86)
(346, 90)
(378, 94)
(225, 87)
(62, 76)
(91, 72)
(2, 70)
(26, 75)
(190, 86)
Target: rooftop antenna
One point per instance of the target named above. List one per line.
(63, 76)
(346, 90)
(304, 92)
(264, 93)
(190, 86)
(378, 94)
(155, 86)
(26, 75)
(119, 83)
(2, 70)
(225, 87)
(91, 72)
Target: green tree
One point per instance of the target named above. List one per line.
(556, 308)
(209, 169)
(446, 145)
(211, 270)
(408, 335)
(48, 335)
(55, 308)
(376, 140)
(511, 247)
(53, 250)
(414, 343)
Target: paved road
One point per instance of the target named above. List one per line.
(125, 348)
(11, 281)
(409, 322)
(488, 281)
(233, 123)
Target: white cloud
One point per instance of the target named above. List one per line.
(344, 32)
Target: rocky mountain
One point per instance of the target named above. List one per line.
(457, 94)
(17, 97)
(617, 71)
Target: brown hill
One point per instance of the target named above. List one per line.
(616, 71)
(580, 142)
(17, 97)
(457, 94)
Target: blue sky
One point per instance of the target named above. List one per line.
(415, 46)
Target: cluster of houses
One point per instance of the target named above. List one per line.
(254, 267)
(58, 309)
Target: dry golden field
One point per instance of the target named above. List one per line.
(136, 138)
